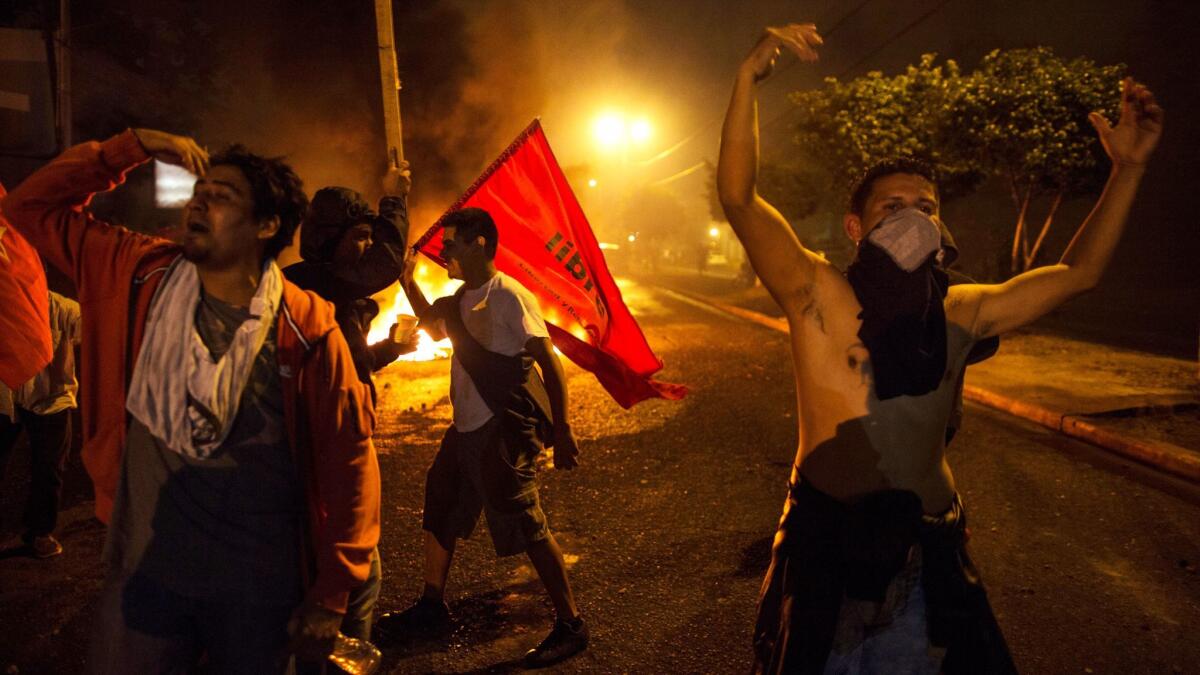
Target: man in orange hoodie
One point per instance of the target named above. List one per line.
(225, 429)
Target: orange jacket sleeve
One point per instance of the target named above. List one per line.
(47, 208)
(341, 419)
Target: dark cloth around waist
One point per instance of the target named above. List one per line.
(825, 550)
(509, 385)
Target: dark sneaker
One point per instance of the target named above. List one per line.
(45, 546)
(425, 618)
(562, 643)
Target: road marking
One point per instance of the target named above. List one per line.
(699, 304)
(731, 312)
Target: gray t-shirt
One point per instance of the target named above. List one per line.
(224, 528)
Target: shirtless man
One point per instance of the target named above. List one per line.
(869, 569)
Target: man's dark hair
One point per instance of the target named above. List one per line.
(275, 189)
(471, 222)
(887, 167)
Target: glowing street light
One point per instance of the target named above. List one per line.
(614, 132)
(591, 182)
(714, 232)
(641, 131)
(610, 130)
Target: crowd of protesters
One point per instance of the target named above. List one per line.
(228, 409)
(228, 406)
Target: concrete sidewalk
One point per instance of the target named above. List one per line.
(1142, 406)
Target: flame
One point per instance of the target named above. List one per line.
(393, 302)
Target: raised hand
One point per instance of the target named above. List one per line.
(172, 149)
(1133, 140)
(398, 181)
(800, 38)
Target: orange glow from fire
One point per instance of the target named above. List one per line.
(392, 302)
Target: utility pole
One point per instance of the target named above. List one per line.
(389, 80)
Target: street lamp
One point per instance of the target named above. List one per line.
(640, 131)
(614, 132)
(615, 135)
(610, 131)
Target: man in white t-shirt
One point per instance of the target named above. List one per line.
(503, 416)
(42, 408)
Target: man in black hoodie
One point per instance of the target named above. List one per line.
(350, 253)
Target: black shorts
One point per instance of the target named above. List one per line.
(491, 471)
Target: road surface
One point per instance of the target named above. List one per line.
(1091, 563)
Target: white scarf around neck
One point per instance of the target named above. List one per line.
(185, 398)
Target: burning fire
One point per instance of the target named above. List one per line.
(393, 302)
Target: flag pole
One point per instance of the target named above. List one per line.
(389, 80)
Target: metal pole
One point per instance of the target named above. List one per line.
(389, 80)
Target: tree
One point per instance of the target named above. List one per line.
(1022, 117)
(796, 189)
(845, 126)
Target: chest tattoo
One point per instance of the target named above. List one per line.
(811, 309)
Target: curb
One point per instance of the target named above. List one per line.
(1167, 457)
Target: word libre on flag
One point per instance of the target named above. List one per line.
(25, 342)
(548, 246)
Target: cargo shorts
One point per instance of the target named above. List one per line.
(488, 470)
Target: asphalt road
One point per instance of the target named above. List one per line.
(1091, 563)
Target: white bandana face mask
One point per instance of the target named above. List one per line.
(908, 236)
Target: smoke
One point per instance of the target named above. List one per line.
(301, 79)
(310, 91)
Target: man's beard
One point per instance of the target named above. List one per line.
(195, 252)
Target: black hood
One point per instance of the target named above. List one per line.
(333, 210)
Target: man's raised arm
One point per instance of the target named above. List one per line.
(778, 258)
(47, 207)
(1030, 295)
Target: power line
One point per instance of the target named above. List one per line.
(904, 31)
(777, 76)
(875, 52)
(686, 172)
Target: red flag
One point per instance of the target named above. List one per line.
(547, 245)
(25, 343)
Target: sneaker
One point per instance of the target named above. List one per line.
(562, 643)
(425, 618)
(44, 546)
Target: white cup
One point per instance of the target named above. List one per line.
(403, 329)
